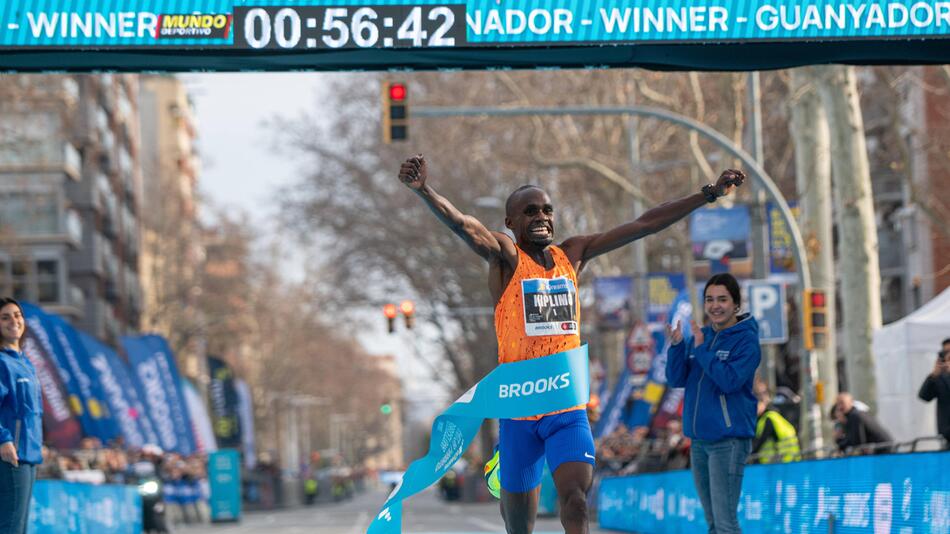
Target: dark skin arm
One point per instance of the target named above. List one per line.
(502, 253)
(582, 249)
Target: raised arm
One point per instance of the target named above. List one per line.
(587, 247)
(485, 243)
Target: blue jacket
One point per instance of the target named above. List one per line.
(718, 377)
(21, 406)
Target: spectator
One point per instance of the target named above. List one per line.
(937, 386)
(775, 438)
(859, 429)
(717, 369)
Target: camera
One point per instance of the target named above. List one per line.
(942, 355)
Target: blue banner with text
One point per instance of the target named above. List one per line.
(61, 507)
(907, 493)
(519, 389)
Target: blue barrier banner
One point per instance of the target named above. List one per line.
(224, 479)
(75, 508)
(120, 392)
(153, 365)
(519, 389)
(905, 493)
(84, 396)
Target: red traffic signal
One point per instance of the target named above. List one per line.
(397, 92)
(407, 307)
(815, 331)
(395, 119)
(389, 310)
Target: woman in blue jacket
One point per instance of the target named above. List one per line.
(719, 412)
(21, 427)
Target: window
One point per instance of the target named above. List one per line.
(29, 213)
(47, 281)
(31, 279)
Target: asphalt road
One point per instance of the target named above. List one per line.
(424, 514)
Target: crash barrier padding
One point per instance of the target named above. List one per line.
(883, 493)
(60, 507)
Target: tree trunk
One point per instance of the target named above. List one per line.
(857, 231)
(810, 134)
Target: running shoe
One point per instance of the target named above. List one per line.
(491, 475)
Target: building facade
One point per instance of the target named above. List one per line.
(69, 187)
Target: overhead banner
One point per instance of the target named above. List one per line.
(349, 34)
(153, 366)
(61, 428)
(56, 338)
(225, 413)
(347, 24)
(120, 393)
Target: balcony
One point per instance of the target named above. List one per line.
(41, 155)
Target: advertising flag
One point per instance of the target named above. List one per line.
(225, 415)
(204, 435)
(61, 428)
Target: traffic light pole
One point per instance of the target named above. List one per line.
(809, 365)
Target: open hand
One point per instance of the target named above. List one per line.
(414, 172)
(728, 181)
(675, 335)
(697, 333)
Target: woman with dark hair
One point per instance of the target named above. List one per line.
(719, 412)
(21, 427)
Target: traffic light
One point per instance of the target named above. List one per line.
(816, 319)
(385, 408)
(395, 112)
(408, 310)
(389, 310)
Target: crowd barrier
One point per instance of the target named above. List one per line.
(902, 493)
(60, 507)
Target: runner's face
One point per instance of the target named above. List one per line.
(532, 218)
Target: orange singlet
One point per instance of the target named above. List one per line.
(539, 312)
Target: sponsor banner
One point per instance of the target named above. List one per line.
(224, 480)
(200, 420)
(246, 415)
(71, 363)
(61, 428)
(153, 367)
(120, 393)
(59, 507)
(225, 415)
(781, 257)
(613, 296)
(907, 493)
(720, 236)
(543, 385)
(662, 290)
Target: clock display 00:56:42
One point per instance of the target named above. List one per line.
(308, 27)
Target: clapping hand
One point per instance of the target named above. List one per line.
(675, 335)
(697, 333)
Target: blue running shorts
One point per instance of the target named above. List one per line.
(525, 444)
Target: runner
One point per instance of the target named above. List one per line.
(533, 284)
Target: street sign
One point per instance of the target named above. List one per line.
(767, 305)
(234, 35)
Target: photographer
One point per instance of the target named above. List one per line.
(937, 386)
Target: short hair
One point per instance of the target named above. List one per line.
(729, 282)
(945, 341)
(514, 193)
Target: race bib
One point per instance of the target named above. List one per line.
(549, 306)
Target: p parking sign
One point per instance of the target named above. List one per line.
(767, 305)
